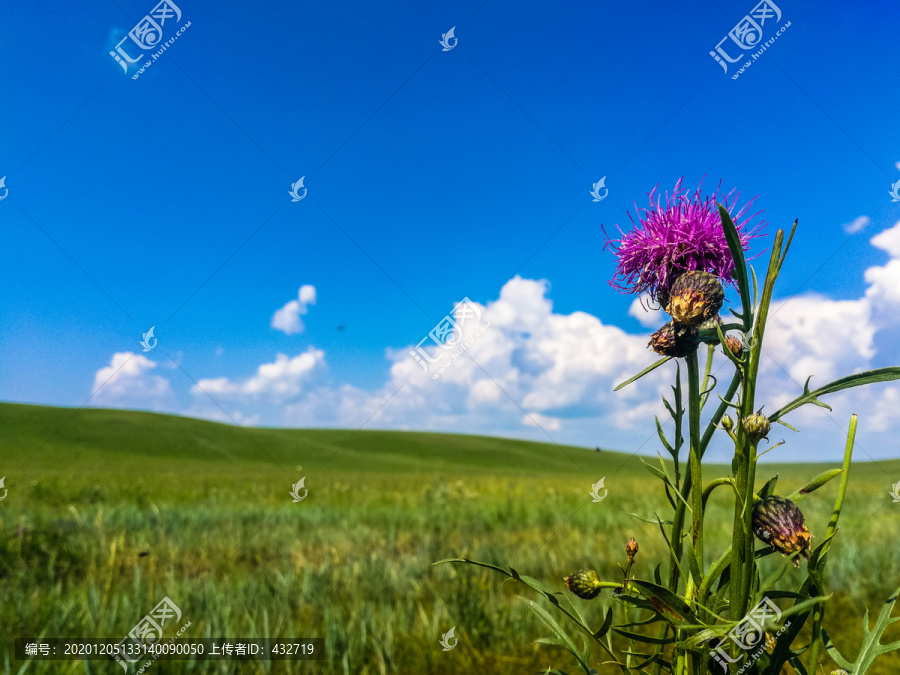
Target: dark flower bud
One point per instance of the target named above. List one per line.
(631, 548)
(674, 340)
(734, 345)
(779, 522)
(584, 583)
(757, 427)
(695, 296)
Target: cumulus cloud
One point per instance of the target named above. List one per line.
(858, 223)
(287, 319)
(283, 379)
(127, 382)
(648, 312)
(512, 366)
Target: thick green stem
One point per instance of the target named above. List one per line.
(742, 561)
(696, 475)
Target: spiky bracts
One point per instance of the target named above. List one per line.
(779, 522)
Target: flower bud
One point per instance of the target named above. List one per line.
(734, 345)
(584, 583)
(839, 671)
(695, 296)
(779, 522)
(727, 423)
(757, 427)
(673, 340)
(631, 548)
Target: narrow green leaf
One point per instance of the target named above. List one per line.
(604, 628)
(638, 637)
(643, 372)
(740, 265)
(857, 380)
(473, 562)
(815, 484)
(652, 521)
(662, 437)
(667, 603)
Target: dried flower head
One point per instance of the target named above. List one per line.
(680, 235)
(631, 548)
(779, 522)
(674, 340)
(734, 345)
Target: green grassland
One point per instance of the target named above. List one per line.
(109, 511)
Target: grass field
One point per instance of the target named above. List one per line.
(208, 506)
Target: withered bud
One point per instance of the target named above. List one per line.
(631, 548)
(674, 340)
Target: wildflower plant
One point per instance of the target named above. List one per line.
(683, 253)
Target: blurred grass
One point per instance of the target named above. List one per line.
(208, 505)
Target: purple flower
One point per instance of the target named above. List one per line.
(685, 233)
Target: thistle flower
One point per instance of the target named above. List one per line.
(683, 234)
(584, 583)
(779, 522)
(694, 297)
(674, 340)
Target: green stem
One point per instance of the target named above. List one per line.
(720, 412)
(742, 560)
(819, 610)
(712, 486)
(696, 475)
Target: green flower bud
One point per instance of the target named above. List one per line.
(584, 583)
(779, 522)
(707, 330)
(757, 427)
(727, 423)
(674, 340)
(695, 296)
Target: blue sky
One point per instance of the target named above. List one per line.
(432, 176)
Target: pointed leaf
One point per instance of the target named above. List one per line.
(857, 380)
(643, 372)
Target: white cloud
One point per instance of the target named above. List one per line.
(127, 382)
(858, 223)
(287, 319)
(648, 312)
(281, 380)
